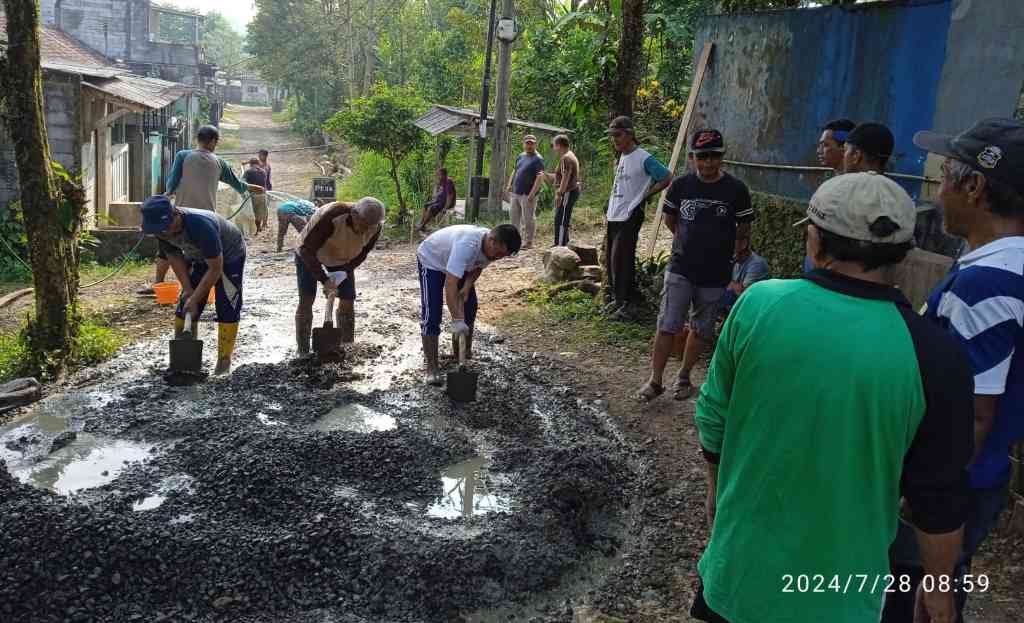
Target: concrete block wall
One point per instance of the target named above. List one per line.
(100, 24)
(61, 95)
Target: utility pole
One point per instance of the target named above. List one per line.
(499, 151)
(481, 138)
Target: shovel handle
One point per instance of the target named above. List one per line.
(462, 349)
(188, 323)
(329, 310)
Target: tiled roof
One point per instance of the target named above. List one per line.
(440, 119)
(62, 53)
(149, 92)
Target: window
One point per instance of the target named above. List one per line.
(169, 26)
(253, 89)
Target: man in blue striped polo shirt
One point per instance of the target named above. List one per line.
(981, 300)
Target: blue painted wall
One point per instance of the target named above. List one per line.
(777, 77)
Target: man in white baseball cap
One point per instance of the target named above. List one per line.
(828, 399)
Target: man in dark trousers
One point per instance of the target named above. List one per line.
(980, 304)
(522, 189)
(443, 200)
(638, 177)
(705, 211)
(812, 434)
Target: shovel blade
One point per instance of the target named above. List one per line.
(186, 355)
(461, 386)
(326, 340)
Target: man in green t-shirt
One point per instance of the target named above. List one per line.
(828, 399)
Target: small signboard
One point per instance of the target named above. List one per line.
(324, 189)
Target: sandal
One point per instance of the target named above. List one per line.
(682, 389)
(650, 391)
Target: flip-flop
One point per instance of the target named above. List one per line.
(682, 389)
(650, 391)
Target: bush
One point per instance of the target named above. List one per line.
(773, 236)
(590, 324)
(95, 343)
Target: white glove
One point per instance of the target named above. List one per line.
(334, 281)
(459, 327)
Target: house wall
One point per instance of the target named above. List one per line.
(61, 97)
(255, 92)
(120, 29)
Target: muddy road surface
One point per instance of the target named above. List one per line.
(290, 491)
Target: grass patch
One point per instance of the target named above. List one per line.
(285, 116)
(96, 343)
(586, 323)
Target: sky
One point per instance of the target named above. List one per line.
(237, 12)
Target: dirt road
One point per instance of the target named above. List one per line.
(296, 493)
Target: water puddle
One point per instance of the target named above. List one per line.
(149, 503)
(355, 418)
(266, 420)
(467, 492)
(85, 463)
(167, 486)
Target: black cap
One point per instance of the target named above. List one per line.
(623, 123)
(707, 141)
(874, 139)
(994, 147)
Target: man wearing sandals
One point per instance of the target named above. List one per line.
(705, 211)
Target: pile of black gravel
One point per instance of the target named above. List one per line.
(275, 521)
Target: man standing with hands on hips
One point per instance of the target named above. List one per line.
(638, 177)
(523, 187)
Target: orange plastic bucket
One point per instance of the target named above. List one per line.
(167, 292)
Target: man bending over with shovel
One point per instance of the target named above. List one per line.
(205, 251)
(450, 261)
(334, 242)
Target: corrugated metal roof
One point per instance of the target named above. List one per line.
(149, 92)
(440, 119)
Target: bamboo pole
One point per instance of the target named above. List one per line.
(684, 131)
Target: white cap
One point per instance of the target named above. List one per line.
(848, 205)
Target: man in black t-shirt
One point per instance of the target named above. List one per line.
(704, 211)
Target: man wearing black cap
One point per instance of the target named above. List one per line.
(704, 211)
(981, 304)
(868, 148)
(638, 177)
(522, 189)
(207, 252)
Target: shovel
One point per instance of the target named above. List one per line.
(186, 350)
(462, 383)
(327, 339)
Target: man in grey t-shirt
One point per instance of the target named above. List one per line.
(522, 189)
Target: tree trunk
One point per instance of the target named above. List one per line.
(398, 191)
(369, 49)
(630, 59)
(52, 204)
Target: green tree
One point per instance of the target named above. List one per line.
(53, 203)
(383, 123)
(223, 44)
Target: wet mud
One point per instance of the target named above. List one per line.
(294, 490)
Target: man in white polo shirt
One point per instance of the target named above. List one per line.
(450, 261)
(638, 177)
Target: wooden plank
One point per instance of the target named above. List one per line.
(684, 131)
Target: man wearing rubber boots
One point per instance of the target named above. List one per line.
(205, 251)
(335, 241)
(450, 261)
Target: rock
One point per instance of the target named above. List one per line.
(19, 392)
(587, 253)
(594, 273)
(64, 439)
(561, 264)
(223, 602)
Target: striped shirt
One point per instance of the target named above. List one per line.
(981, 302)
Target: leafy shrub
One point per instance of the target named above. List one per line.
(95, 343)
(774, 237)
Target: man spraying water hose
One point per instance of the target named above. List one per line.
(206, 251)
(193, 183)
(334, 242)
